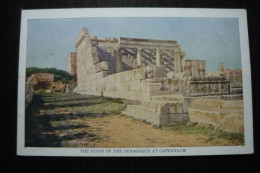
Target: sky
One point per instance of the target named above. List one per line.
(49, 41)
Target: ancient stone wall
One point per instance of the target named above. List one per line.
(72, 64)
(131, 85)
(105, 50)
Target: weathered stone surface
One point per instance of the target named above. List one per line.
(138, 74)
(135, 85)
(170, 75)
(173, 119)
(72, 63)
(103, 66)
(159, 71)
(194, 68)
(227, 115)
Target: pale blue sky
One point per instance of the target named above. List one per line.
(212, 39)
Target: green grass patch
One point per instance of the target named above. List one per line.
(211, 132)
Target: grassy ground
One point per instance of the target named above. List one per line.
(74, 120)
(211, 132)
(53, 119)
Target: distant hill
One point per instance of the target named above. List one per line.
(59, 75)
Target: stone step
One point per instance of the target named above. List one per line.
(161, 115)
(168, 98)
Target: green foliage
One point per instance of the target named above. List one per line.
(59, 75)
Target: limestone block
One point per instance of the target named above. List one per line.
(172, 119)
(225, 88)
(95, 60)
(145, 103)
(116, 78)
(146, 95)
(126, 86)
(130, 108)
(178, 75)
(214, 88)
(151, 88)
(150, 71)
(93, 88)
(151, 85)
(108, 93)
(153, 105)
(92, 70)
(87, 72)
(109, 79)
(133, 75)
(118, 86)
(98, 67)
(186, 103)
(100, 84)
(136, 95)
(135, 85)
(102, 66)
(124, 76)
(110, 87)
(139, 73)
(93, 77)
(227, 115)
(101, 75)
(160, 71)
(169, 108)
(170, 75)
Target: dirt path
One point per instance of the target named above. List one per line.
(121, 131)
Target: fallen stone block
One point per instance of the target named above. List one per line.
(226, 115)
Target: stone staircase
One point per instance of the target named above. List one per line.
(160, 110)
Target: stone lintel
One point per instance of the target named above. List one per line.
(148, 43)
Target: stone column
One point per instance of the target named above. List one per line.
(117, 60)
(139, 57)
(177, 60)
(158, 57)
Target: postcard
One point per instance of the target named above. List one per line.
(134, 82)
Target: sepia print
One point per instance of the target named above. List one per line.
(134, 85)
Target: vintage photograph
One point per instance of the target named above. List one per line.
(134, 84)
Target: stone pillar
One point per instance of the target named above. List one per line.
(117, 61)
(158, 57)
(139, 57)
(177, 60)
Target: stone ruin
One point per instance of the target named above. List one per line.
(43, 82)
(72, 64)
(159, 85)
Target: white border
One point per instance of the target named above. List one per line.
(137, 12)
